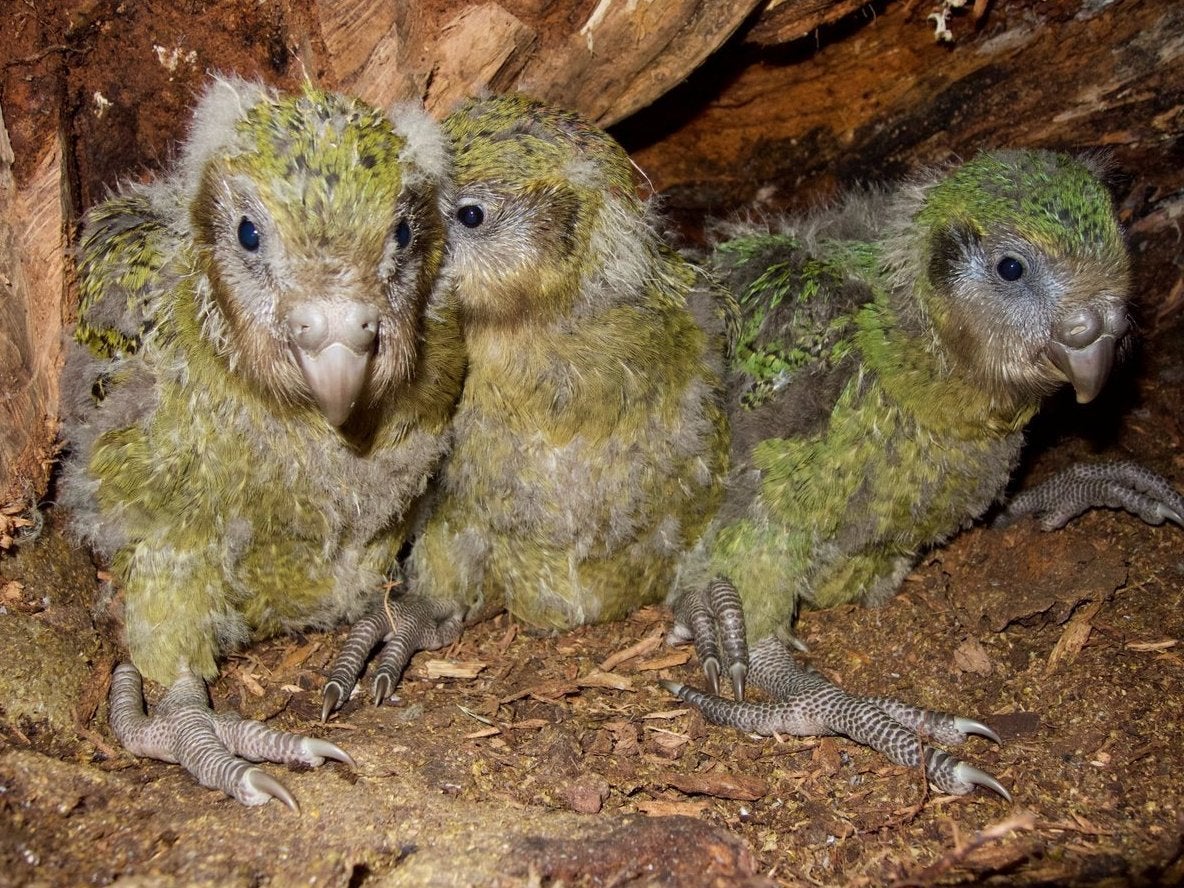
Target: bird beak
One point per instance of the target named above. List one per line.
(1082, 348)
(333, 343)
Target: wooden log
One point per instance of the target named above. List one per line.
(606, 59)
(878, 95)
(32, 281)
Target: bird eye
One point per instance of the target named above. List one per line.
(248, 235)
(403, 234)
(1010, 268)
(470, 215)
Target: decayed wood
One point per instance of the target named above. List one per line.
(623, 56)
(799, 124)
(32, 251)
(627, 54)
(484, 47)
(781, 21)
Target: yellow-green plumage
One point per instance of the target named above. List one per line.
(891, 351)
(228, 506)
(590, 441)
(886, 371)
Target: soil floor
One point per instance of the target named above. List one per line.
(561, 760)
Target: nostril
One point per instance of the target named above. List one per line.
(312, 326)
(1080, 328)
(359, 325)
(1117, 322)
(308, 325)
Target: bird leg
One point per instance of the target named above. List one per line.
(711, 618)
(807, 704)
(1115, 485)
(406, 625)
(216, 748)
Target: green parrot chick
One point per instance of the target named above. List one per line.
(262, 389)
(590, 443)
(891, 351)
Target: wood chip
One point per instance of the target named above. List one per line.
(529, 724)
(1151, 645)
(484, 732)
(605, 680)
(666, 661)
(647, 645)
(11, 591)
(248, 681)
(587, 794)
(547, 691)
(720, 785)
(666, 714)
(664, 808)
(295, 657)
(434, 669)
(971, 656)
(1074, 637)
(507, 639)
(666, 744)
(826, 757)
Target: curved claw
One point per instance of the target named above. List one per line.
(382, 687)
(1170, 514)
(971, 726)
(739, 672)
(973, 776)
(264, 787)
(711, 671)
(323, 749)
(332, 695)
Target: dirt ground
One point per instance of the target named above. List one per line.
(562, 761)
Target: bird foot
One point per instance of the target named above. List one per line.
(1114, 485)
(404, 625)
(714, 620)
(807, 704)
(216, 748)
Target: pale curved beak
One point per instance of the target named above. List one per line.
(1082, 348)
(333, 343)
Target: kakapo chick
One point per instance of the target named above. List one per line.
(892, 351)
(261, 387)
(590, 442)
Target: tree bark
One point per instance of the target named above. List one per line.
(32, 260)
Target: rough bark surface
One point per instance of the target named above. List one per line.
(877, 95)
(32, 267)
(607, 58)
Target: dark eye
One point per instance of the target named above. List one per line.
(1010, 268)
(248, 235)
(470, 215)
(403, 234)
